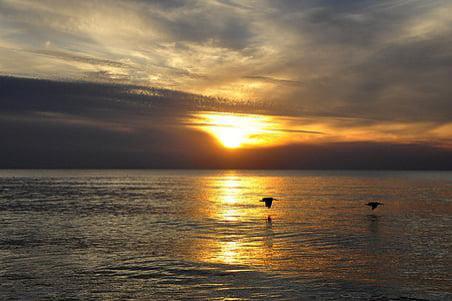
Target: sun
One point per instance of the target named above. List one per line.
(230, 137)
(235, 130)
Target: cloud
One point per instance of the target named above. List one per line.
(80, 124)
(83, 59)
(372, 69)
(277, 81)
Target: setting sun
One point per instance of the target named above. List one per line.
(230, 137)
(234, 130)
(237, 130)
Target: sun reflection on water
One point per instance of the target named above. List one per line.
(230, 189)
(229, 252)
(229, 214)
(236, 213)
(239, 233)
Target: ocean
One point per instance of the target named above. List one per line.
(204, 235)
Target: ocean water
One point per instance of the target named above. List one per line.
(204, 235)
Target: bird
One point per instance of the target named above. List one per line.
(268, 202)
(374, 204)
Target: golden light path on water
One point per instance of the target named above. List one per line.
(241, 234)
(230, 206)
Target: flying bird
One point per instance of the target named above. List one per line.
(374, 204)
(268, 202)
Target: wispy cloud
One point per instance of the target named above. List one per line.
(353, 70)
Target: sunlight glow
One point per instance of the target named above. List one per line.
(230, 137)
(235, 130)
(238, 130)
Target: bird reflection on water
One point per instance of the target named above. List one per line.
(268, 237)
(373, 233)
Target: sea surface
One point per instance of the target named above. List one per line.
(204, 235)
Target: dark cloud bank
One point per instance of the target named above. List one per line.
(49, 124)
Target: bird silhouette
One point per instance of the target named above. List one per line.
(268, 202)
(374, 204)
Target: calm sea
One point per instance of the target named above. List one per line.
(204, 235)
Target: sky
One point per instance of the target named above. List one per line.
(226, 84)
